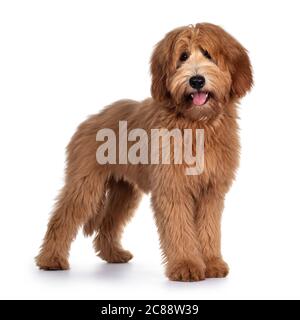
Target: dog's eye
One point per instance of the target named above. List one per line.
(184, 56)
(206, 54)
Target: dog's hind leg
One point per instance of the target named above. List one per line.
(85, 186)
(79, 200)
(122, 200)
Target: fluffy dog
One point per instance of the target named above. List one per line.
(199, 73)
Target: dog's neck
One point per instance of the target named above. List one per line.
(172, 118)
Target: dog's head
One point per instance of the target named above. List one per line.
(199, 69)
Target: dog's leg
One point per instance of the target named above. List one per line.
(174, 213)
(119, 207)
(208, 222)
(78, 201)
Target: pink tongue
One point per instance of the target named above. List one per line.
(199, 98)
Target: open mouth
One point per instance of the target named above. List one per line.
(199, 98)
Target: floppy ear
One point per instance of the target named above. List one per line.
(159, 73)
(241, 71)
(161, 61)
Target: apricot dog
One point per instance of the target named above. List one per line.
(199, 73)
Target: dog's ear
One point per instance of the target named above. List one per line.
(241, 70)
(160, 65)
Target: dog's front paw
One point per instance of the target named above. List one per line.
(216, 268)
(52, 262)
(186, 271)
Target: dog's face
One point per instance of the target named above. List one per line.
(199, 70)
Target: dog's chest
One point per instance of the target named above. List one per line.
(221, 156)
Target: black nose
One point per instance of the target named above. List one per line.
(197, 82)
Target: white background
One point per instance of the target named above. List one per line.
(59, 61)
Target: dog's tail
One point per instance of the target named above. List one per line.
(91, 226)
(94, 222)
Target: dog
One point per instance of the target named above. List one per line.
(199, 74)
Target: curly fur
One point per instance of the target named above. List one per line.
(187, 209)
